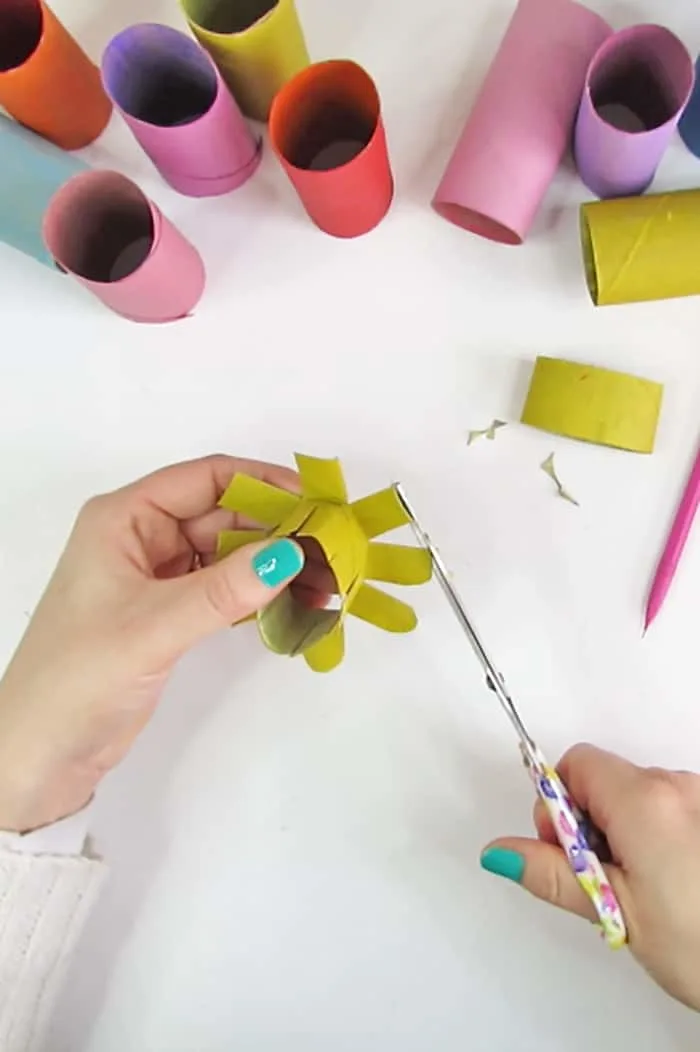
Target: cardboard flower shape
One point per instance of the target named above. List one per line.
(345, 533)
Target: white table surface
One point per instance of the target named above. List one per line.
(295, 857)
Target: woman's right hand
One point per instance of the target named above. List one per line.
(651, 818)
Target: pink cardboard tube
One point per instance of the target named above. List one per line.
(105, 232)
(173, 98)
(637, 87)
(521, 123)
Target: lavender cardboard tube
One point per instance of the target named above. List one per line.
(173, 98)
(637, 87)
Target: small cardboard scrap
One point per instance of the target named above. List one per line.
(488, 432)
(345, 533)
(593, 405)
(548, 467)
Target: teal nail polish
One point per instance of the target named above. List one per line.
(279, 562)
(504, 863)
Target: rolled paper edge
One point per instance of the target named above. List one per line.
(196, 186)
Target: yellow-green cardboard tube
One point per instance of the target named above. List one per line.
(258, 45)
(642, 248)
(593, 405)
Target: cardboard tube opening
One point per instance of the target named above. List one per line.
(159, 76)
(101, 227)
(326, 117)
(477, 223)
(227, 16)
(21, 30)
(589, 265)
(290, 624)
(641, 82)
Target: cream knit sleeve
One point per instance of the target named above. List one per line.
(45, 900)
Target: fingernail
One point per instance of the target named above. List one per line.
(279, 562)
(503, 863)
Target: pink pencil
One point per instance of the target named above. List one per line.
(674, 546)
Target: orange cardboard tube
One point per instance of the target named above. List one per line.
(47, 82)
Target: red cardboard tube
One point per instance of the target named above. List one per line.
(47, 82)
(326, 128)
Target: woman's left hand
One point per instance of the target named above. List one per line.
(136, 587)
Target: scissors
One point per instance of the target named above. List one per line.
(573, 829)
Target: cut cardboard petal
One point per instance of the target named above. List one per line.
(593, 405)
(258, 500)
(379, 513)
(398, 564)
(382, 610)
(341, 532)
(328, 653)
(230, 541)
(321, 479)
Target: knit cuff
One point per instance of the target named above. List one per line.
(44, 903)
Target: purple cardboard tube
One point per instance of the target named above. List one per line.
(637, 87)
(173, 98)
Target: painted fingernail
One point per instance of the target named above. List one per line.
(503, 863)
(279, 562)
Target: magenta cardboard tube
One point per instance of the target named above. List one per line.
(636, 89)
(104, 231)
(522, 121)
(173, 98)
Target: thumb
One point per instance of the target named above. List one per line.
(229, 591)
(544, 870)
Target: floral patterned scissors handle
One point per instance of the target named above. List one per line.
(569, 824)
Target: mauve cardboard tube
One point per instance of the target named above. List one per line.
(104, 231)
(521, 123)
(637, 87)
(326, 129)
(175, 102)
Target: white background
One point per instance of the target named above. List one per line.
(295, 857)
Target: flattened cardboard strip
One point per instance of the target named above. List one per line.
(593, 405)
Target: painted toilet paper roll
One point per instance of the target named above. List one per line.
(521, 123)
(258, 45)
(104, 231)
(326, 128)
(175, 102)
(642, 248)
(31, 171)
(636, 89)
(46, 81)
(689, 126)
